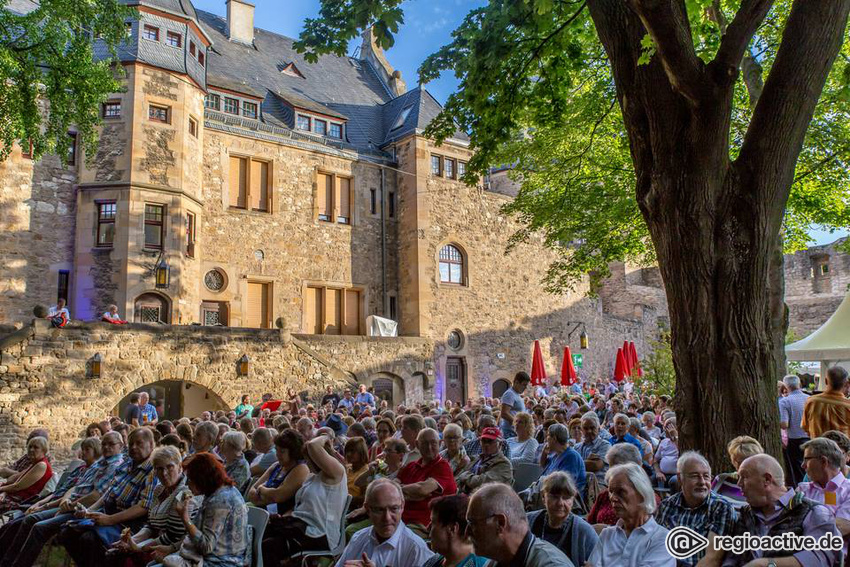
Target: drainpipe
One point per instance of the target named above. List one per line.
(384, 300)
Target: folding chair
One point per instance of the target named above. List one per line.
(525, 474)
(258, 518)
(333, 553)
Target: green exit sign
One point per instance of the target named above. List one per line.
(578, 360)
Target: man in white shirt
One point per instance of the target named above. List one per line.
(59, 314)
(388, 542)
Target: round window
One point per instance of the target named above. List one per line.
(455, 340)
(215, 280)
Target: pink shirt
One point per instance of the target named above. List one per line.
(839, 505)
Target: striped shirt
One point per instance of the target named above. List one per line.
(599, 447)
(715, 514)
(791, 412)
(133, 484)
(98, 476)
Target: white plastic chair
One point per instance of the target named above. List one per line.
(258, 518)
(333, 553)
(525, 474)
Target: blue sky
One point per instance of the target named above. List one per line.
(428, 26)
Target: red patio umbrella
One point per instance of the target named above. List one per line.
(271, 405)
(538, 371)
(627, 357)
(636, 371)
(568, 371)
(620, 371)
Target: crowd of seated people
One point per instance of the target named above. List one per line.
(429, 485)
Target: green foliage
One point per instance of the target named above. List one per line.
(49, 78)
(659, 376)
(536, 94)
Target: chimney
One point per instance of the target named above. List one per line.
(240, 21)
(370, 51)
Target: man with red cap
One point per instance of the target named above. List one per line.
(490, 466)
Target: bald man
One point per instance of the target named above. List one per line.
(498, 526)
(424, 479)
(772, 509)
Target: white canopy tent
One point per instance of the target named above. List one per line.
(830, 344)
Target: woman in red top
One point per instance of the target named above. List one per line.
(26, 485)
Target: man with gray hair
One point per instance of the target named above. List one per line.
(790, 416)
(696, 506)
(823, 459)
(592, 447)
(498, 526)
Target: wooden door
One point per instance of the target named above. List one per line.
(257, 313)
(333, 311)
(456, 379)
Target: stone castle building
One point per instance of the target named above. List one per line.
(289, 201)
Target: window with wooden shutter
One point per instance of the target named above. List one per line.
(351, 324)
(333, 311)
(238, 182)
(257, 305)
(343, 187)
(324, 196)
(313, 311)
(259, 185)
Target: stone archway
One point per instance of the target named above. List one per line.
(388, 386)
(152, 307)
(179, 398)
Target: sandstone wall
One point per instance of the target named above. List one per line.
(45, 376)
(816, 281)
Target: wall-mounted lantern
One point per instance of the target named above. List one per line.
(583, 339)
(95, 365)
(244, 365)
(162, 273)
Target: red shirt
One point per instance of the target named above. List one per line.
(418, 512)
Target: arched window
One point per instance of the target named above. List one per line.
(151, 308)
(451, 265)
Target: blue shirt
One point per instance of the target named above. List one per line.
(627, 438)
(514, 401)
(346, 403)
(149, 411)
(791, 412)
(365, 398)
(570, 462)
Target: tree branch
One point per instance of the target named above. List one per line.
(775, 136)
(666, 21)
(737, 35)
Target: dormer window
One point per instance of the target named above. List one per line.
(336, 131)
(192, 48)
(231, 105)
(303, 123)
(173, 39)
(200, 58)
(291, 70)
(402, 117)
(321, 127)
(150, 32)
(213, 101)
(249, 109)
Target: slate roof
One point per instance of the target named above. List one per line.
(423, 109)
(20, 6)
(183, 7)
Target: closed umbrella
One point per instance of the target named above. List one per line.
(636, 371)
(568, 371)
(538, 371)
(620, 371)
(627, 357)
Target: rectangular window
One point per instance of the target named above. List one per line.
(106, 223)
(393, 308)
(173, 39)
(461, 169)
(231, 105)
(450, 168)
(214, 313)
(257, 313)
(212, 101)
(62, 287)
(259, 186)
(150, 32)
(154, 225)
(193, 127)
(192, 48)
(190, 235)
(72, 149)
(158, 113)
(332, 311)
(373, 201)
(391, 204)
(112, 109)
(201, 58)
(321, 127)
(303, 123)
(436, 165)
(238, 182)
(325, 197)
(336, 131)
(343, 198)
(249, 109)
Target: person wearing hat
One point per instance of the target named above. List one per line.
(336, 424)
(490, 466)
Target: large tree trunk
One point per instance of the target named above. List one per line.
(715, 223)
